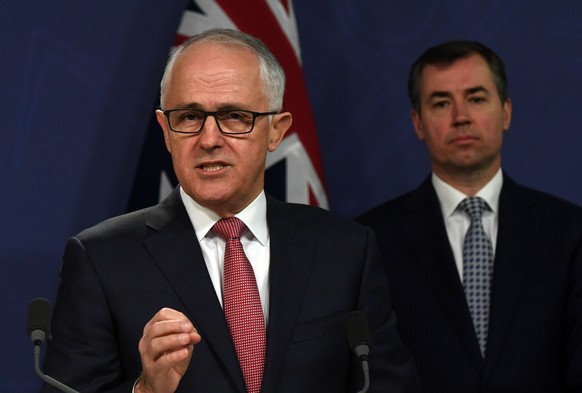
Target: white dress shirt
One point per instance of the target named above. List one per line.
(255, 241)
(457, 221)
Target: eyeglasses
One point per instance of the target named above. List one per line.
(232, 122)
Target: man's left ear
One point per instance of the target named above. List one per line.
(506, 114)
(279, 125)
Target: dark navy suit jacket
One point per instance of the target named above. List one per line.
(118, 274)
(535, 333)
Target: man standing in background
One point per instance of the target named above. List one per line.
(485, 274)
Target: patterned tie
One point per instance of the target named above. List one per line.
(477, 269)
(242, 304)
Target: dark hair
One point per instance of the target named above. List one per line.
(446, 54)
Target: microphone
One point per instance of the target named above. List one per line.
(39, 321)
(360, 342)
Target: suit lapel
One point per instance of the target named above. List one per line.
(292, 253)
(424, 226)
(518, 225)
(177, 252)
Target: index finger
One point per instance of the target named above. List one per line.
(182, 323)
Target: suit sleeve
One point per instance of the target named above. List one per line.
(574, 347)
(83, 352)
(391, 366)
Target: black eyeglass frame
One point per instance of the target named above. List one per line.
(167, 112)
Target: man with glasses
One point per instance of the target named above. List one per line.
(220, 287)
(485, 274)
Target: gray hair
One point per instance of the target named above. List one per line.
(270, 71)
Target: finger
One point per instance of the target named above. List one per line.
(163, 336)
(166, 314)
(166, 348)
(167, 321)
(168, 327)
(158, 346)
(172, 357)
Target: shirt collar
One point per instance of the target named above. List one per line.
(254, 216)
(449, 197)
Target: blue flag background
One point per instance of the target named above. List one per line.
(79, 81)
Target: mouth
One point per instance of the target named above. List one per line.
(212, 166)
(463, 139)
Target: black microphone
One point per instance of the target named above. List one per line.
(39, 322)
(360, 342)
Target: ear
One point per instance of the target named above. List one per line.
(279, 126)
(161, 118)
(417, 122)
(506, 114)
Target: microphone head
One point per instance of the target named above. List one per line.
(39, 318)
(357, 330)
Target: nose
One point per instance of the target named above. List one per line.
(460, 114)
(210, 135)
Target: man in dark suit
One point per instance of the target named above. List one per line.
(509, 317)
(157, 279)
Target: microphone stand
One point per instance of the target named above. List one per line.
(51, 381)
(360, 341)
(362, 351)
(366, 369)
(39, 311)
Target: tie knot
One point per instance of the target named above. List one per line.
(229, 228)
(474, 206)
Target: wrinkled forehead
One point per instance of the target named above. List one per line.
(206, 55)
(213, 66)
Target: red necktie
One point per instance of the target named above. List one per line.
(242, 304)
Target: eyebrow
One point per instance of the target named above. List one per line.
(223, 107)
(476, 89)
(469, 91)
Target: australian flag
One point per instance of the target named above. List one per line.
(294, 171)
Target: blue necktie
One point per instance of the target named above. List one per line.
(477, 269)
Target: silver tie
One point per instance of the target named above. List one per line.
(477, 269)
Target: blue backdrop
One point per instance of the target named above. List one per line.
(79, 81)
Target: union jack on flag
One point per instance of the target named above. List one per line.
(294, 171)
